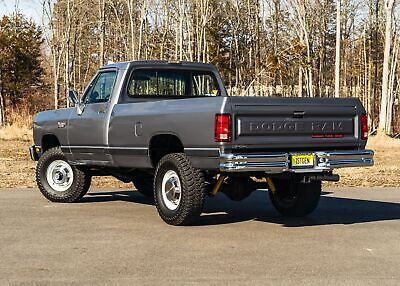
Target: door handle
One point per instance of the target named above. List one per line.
(138, 129)
(101, 111)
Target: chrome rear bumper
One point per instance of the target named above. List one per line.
(280, 162)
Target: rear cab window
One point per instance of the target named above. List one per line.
(172, 83)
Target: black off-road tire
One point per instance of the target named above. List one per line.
(295, 199)
(192, 190)
(144, 184)
(80, 185)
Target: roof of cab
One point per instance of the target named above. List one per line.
(124, 65)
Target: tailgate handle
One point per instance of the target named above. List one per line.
(298, 114)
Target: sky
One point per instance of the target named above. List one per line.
(31, 8)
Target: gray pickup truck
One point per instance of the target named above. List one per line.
(172, 130)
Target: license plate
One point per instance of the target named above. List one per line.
(302, 160)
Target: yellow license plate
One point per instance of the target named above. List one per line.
(302, 160)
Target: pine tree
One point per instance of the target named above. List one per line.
(20, 58)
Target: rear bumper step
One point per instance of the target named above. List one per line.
(280, 162)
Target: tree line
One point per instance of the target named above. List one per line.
(305, 48)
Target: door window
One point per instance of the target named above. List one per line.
(102, 88)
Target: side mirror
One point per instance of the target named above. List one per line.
(73, 97)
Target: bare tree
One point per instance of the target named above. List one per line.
(57, 47)
(2, 103)
(102, 6)
(338, 39)
(301, 9)
(385, 103)
(130, 4)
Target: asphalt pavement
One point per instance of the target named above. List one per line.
(116, 237)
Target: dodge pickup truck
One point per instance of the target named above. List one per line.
(172, 130)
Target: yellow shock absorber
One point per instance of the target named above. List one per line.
(217, 185)
(271, 185)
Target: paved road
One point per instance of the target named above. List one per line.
(116, 237)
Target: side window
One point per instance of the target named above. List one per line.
(101, 89)
(172, 83)
(158, 83)
(204, 85)
(143, 83)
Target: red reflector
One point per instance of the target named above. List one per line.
(364, 127)
(223, 128)
(328, 136)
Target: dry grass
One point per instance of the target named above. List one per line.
(17, 169)
(20, 116)
(385, 172)
(13, 132)
(19, 120)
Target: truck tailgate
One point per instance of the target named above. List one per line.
(296, 123)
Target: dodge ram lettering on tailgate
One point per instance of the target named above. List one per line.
(172, 130)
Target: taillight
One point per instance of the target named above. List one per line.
(364, 127)
(223, 132)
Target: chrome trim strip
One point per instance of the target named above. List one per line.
(107, 150)
(128, 148)
(86, 147)
(199, 148)
(106, 147)
(279, 162)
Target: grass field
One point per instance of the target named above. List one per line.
(17, 169)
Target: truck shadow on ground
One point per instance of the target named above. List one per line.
(257, 207)
(125, 196)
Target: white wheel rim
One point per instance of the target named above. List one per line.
(171, 190)
(59, 175)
